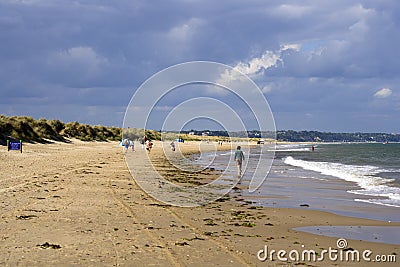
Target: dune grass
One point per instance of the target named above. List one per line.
(28, 129)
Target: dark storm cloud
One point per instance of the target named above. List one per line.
(310, 58)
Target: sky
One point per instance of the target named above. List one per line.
(321, 65)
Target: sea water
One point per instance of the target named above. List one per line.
(338, 177)
(354, 179)
(373, 167)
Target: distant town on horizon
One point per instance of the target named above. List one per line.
(302, 136)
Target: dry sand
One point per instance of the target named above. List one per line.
(77, 204)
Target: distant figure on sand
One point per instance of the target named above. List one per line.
(143, 141)
(239, 157)
(126, 145)
(149, 145)
(172, 146)
(132, 144)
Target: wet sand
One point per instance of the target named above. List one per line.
(77, 204)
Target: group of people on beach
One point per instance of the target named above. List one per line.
(126, 143)
(146, 143)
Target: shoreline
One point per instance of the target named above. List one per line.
(81, 197)
(381, 222)
(311, 191)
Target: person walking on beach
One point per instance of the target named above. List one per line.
(239, 157)
(149, 145)
(126, 145)
(172, 146)
(143, 141)
(132, 144)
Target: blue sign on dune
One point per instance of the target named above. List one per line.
(14, 145)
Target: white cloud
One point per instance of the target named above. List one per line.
(256, 65)
(383, 93)
(267, 60)
(229, 77)
(266, 89)
(295, 47)
(291, 11)
(184, 32)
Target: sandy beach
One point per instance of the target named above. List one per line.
(65, 204)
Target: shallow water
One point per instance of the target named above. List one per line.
(358, 180)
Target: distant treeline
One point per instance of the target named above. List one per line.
(314, 136)
(304, 136)
(28, 129)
